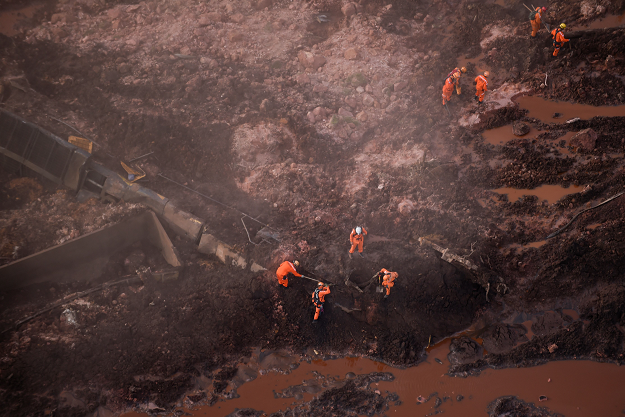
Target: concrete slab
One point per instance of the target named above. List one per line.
(85, 256)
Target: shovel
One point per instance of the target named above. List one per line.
(379, 288)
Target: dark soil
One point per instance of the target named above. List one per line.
(138, 345)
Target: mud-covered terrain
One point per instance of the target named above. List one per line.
(313, 117)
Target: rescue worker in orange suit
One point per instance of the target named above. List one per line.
(357, 238)
(535, 17)
(388, 279)
(558, 38)
(448, 89)
(285, 271)
(318, 298)
(481, 86)
(456, 73)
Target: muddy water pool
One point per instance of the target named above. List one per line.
(10, 20)
(544, 109)
(551, 193)
(608, 21)
(573, 388)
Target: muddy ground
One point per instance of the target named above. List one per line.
(312, 127)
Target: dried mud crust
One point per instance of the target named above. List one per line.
(229, 109)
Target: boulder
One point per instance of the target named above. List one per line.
(351, 101)
(310, 60)
(406, 206)
(362, 116)
(349, 9)
(586, 140)
(265, 105)
(345, 113)
(208, 18)
(302, 79)
(235, 36)
(520, 129)
(237, 18)
(367, 100)
(351, 54)
(261, 4)
(400, 85)
(464, 350)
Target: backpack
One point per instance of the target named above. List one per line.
(533, 14)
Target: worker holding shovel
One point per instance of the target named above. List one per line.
(285, 271)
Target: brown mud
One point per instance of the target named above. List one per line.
(235, 102)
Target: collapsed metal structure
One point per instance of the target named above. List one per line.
(25, 146)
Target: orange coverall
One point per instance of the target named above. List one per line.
(448, 89)
(283, 271)
(455, 76)
(389, 278)
(481, 86)
(357, 240)
(536, 22)
(321, 296)
(558, 40)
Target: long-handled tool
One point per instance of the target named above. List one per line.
(379, 288)
(446, 108)
(316, 280)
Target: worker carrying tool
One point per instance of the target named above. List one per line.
(558, 38)
(388, 278)
(357, 238)
(318, 298)
(481, 86)
(535, 16)
(287, 270)
(456, 74)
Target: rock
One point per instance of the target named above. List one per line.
(320, 88)
(351, 101)
(349, 9)
(367, 100)
(610, 62)
(113, 13)
(464, 350)
(368, 88)
(400, 85)
(208, 18)
(319, 113)
(310, 60)
(265, 105)
(351, 54)
(345, 113)
(520, 129)
(557, 115)
(587, 8)
(360, 90)
(58, 17)
(392, 108)
(237, 18)
(586, 140)
(406, 206)
(235, 36)
(261, 4)
(362, 116)
(311, 117)
(302, 79)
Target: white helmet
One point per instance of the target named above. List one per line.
(358, 230)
